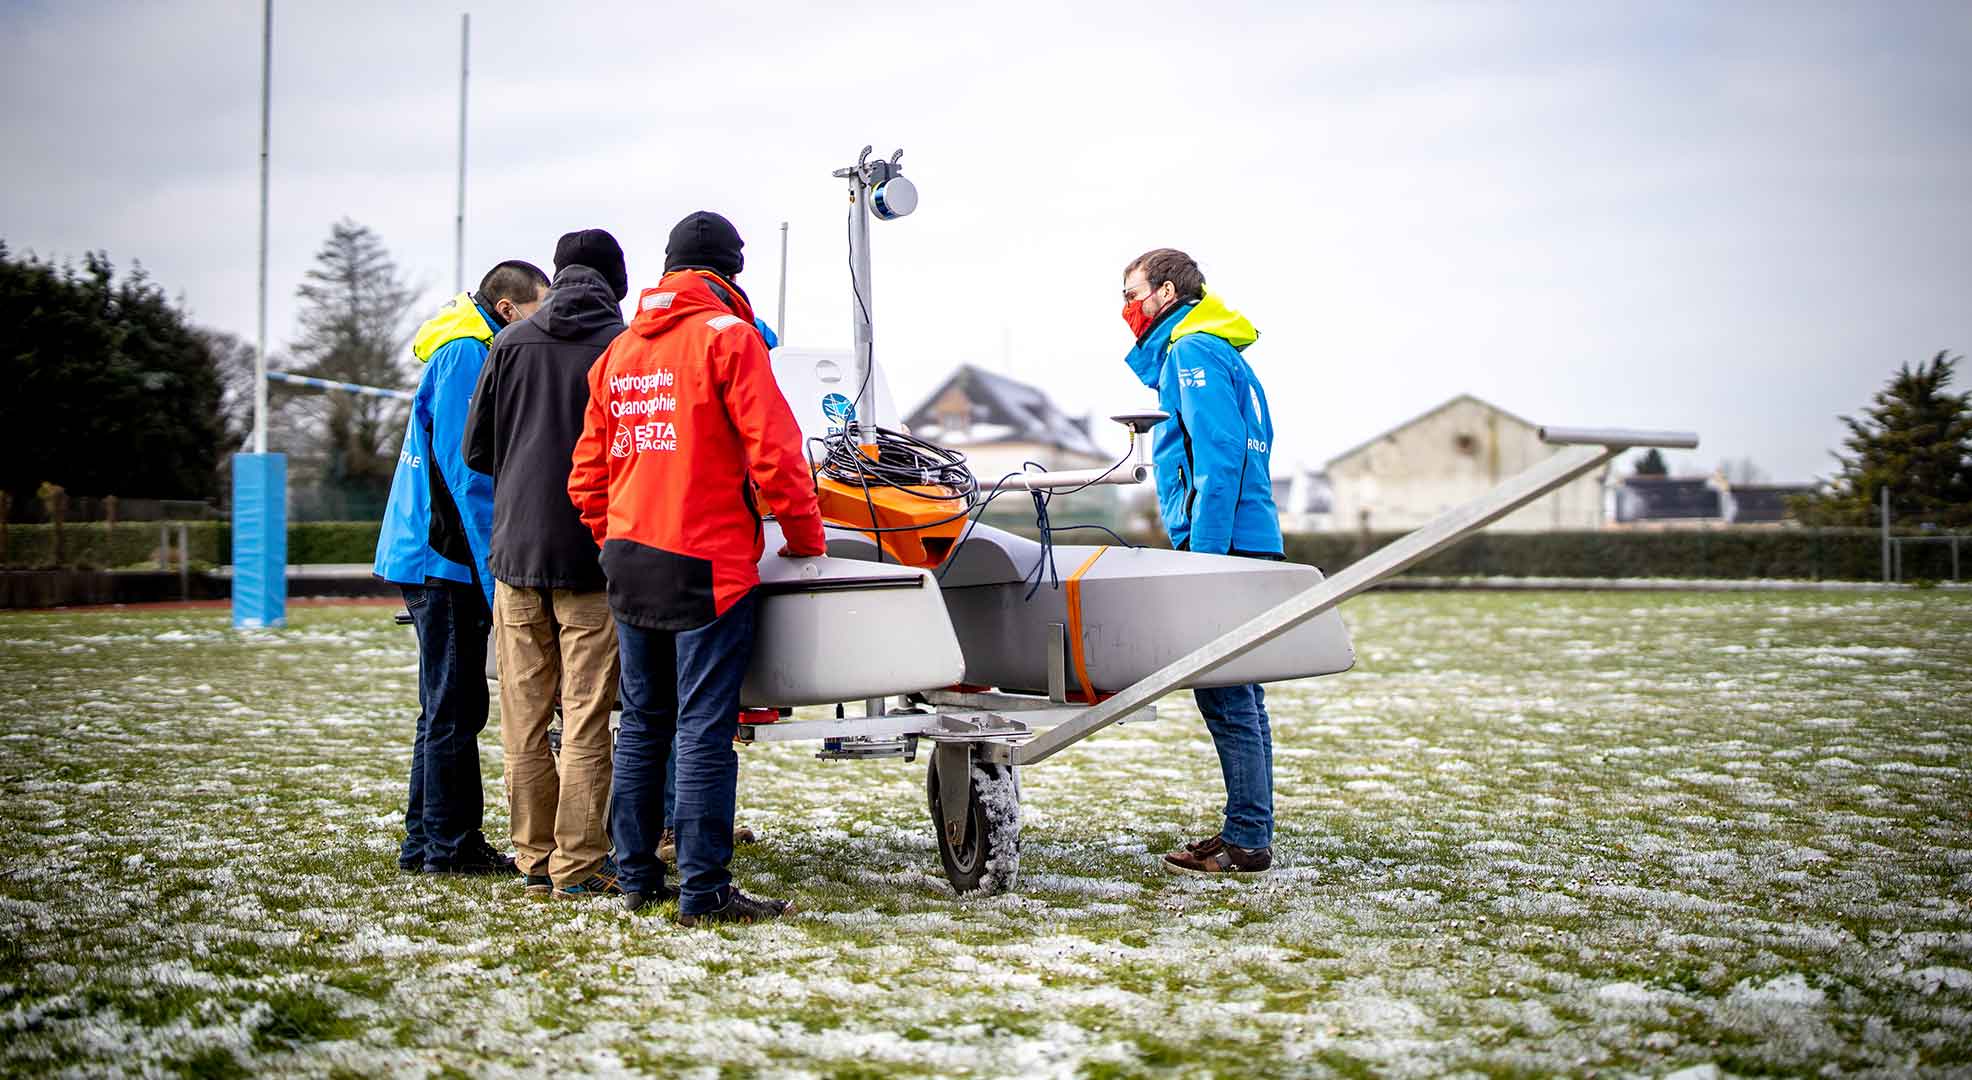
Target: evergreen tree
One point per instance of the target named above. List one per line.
(1651, 463)
(1916, 439)
(355, 327)
(110, 390)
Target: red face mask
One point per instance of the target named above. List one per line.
(1133, 314)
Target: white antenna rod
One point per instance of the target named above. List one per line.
(459, 233)
(260, 349)
(780, 317)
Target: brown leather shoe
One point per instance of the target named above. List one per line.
(1216, 858)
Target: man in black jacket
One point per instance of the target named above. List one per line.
(553, 635)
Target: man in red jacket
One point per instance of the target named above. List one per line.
(685, 423)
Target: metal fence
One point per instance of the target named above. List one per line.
(1899, 543)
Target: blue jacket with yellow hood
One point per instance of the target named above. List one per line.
(1214, 488)
(438, 523)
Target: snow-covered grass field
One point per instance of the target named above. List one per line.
(1530, 834)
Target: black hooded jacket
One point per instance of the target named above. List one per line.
(526, 416)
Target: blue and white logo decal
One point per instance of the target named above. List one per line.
(840, 411)
(1194, 377)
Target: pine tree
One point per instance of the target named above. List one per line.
(355, 327)
(1651, 463)
(1916, 439)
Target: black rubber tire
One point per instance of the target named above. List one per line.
(987, 858)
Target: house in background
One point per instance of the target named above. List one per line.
(1001, 423)
(1452, 454)
(1303, 499)
(1698, 501)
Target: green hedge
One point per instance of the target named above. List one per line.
(332, 542)
(93, 545)
(1788, 553)
(1791, 553)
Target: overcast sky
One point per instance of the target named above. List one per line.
(1733, 218)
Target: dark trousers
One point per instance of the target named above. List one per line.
(682, 686)
(446, 806)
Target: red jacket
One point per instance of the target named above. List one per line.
(684, 422)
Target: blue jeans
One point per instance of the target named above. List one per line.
(1237, 718)
(446, 806)
(682, 686)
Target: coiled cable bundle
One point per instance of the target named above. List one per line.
(905, 462)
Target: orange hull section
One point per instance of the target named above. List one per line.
(924, 538)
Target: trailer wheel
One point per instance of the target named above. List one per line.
(985, 856)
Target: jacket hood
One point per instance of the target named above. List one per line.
(582, 303)
(459, 318)
(1212, 316)
(686, 294)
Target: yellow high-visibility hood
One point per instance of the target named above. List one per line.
(459, 318)
(1211, 316)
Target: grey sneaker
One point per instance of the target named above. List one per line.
(600, 882)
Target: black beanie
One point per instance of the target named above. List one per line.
(597, 250)
(705, 241)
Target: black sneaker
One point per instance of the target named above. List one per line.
(638, 901)
(539, 884)
(739, 908)
(476, 858)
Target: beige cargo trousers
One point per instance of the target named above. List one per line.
(556, 644)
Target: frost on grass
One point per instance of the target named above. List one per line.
(1531, 834)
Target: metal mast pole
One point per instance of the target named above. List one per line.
(859, 261)
(260, 348)
(780, 317)
(459, 230)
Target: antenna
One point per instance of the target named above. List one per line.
(880, 187)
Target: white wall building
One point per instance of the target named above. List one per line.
(1454, 453)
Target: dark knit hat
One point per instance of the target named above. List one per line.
(705, 241)
(597, 250)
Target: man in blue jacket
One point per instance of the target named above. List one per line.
(1215, 494)
(436, 531)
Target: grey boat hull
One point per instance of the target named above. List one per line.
(1139, 609)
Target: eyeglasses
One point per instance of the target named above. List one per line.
(1132, 293)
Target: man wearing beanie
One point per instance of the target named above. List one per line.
(553, 637)
(686, 435)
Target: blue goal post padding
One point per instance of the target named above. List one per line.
(260, 540)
